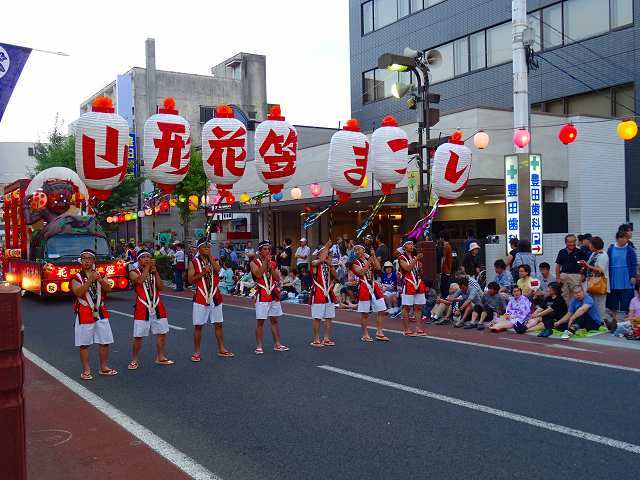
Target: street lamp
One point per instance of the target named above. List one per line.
(417, 63)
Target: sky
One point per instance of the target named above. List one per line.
(105, 39)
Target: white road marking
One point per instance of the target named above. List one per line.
(131, 316)
(461, 342)
(572, 432)
(164, 449)
(549, 345)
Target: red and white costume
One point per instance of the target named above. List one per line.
(322, 297)
(413, 288)
(370, 296)
(149, 313)
(92, 319)
(267, 295)
(207, 302)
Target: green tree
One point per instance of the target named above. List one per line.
(60, 152)
(195, 183)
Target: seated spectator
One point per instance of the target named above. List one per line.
(503, 278)
(465, 299)
(291, 283)
(630, 327)
(431, 296)
(439, 313)
(389, 282)
(583, 314)
(349, 291)
(544, 278)
(492, 305)
(526, 282)
(518, 313)
(246, 282)
(227, 280)
(549, 313)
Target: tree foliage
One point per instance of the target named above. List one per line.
(195, 183)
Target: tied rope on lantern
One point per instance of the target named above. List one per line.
(312, 218)
(423, 226)
(369, 220)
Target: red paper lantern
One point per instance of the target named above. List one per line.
(521, 137)
(568, 133)
(230, 199)
(348, 156)
(316, 189)
(389, 152)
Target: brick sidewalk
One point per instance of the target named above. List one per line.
(69, 439)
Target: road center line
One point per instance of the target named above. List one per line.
(572, 432)
(131, 316)
(452, 340)
(164, 449)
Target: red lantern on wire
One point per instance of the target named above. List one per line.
(568, 133)
(521, 138)
(230, 199)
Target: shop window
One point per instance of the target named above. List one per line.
(384, 12)
(585, 18)
(624, 101)
(417, 5)
(367, 17)
(552, 27)
(206, 114)
(621, 13)
(534, 24)
(403, 8)
(592, 103)
(384, 81)
(461, 56)
(499, 49)
(368, 86)
(477, 50)
(444, 71)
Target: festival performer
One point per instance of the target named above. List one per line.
(413, 288)
(92, 319)
(149, 313)
(207, 302)
(266, 276)
(370, 295)
(322, 297)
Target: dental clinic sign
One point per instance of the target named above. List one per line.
(523, 199)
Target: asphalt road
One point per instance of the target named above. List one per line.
(280, 416)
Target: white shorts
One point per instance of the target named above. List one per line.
(264, 310)
(366, 306)
(90, 333)
(207, 313)
(417, 299)
(158, 326)
(323, 310)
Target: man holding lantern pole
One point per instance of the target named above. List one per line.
(413, 288)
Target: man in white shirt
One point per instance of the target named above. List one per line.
(302, 255)
(179, 267)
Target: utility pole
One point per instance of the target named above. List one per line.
(521, 113)
(152, 106)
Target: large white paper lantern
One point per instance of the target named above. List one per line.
(390, 154)
(224, 149)
(167, 147)
(276, 150)
(102, 150)
(451, 169)
(348, 156)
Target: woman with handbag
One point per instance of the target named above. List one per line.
(596, 274)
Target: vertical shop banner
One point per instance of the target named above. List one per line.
(535, 189)
(12, 60)
(413, 181)
(512, 204)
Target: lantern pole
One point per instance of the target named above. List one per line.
(520, 71)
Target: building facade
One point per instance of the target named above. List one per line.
(588, 61)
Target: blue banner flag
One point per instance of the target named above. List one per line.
(12, 60)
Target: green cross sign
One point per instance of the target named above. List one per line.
(535, 163)
(512, 172)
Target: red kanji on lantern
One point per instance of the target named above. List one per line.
(167, 147)
(276, 150)
(102, 148)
